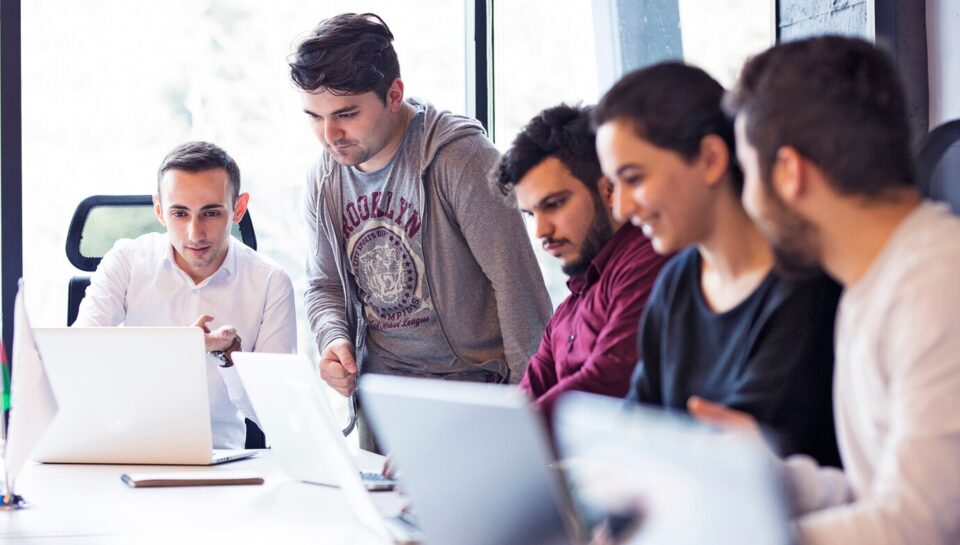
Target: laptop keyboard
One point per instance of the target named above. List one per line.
(375, 477)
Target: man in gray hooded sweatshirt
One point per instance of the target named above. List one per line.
(414, 266)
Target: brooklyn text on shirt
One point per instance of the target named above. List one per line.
(380, 205)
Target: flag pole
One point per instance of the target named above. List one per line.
(9, 500)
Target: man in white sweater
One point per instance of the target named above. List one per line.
(823, 138)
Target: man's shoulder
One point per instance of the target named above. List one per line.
(632, 251)
(256, 262)
(460, 149)
(921, 259)
(930, 237)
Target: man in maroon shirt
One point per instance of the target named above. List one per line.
(590, 343)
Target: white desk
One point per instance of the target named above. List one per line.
(86, 504)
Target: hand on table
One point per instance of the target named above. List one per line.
(722, 416)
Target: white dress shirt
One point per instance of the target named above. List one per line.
(138, 283)
(896, 396)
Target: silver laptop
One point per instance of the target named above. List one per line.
(128, 395)
(688, 483)
(293, 408)
(475, 460)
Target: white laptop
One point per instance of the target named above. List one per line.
(475, 460)
(295, 413)
(128, 395)
(689, 483)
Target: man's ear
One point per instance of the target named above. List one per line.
(395, 95)
(605, 189)
(158, 210)
(241, 207)
(788, 174)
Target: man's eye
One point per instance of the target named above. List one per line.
(553, 204)
(178, 214)
(348, 115)
(212, 213)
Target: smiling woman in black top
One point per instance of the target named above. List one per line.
(721, 323)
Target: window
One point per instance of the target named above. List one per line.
(544, 55)
(547, 53)
(110, 86)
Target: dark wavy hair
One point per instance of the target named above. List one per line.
(563, 132)
(197, 157)
(348, 54)
(673, 106)
(839, 102)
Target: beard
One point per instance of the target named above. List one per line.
(355, 155)
(601, 231)
(793, 241)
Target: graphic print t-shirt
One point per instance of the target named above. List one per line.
(382, 220)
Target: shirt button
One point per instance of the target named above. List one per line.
(572, 337)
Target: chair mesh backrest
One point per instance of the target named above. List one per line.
(939, 165)
(102, 220)
(109, 223)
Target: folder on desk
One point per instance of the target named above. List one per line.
(190, 478)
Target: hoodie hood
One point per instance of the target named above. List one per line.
(441, 127)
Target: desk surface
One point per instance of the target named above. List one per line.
(85, 504)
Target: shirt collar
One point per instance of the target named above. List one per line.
(582, 282)
(227, 269)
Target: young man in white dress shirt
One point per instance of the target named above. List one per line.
(822, 135)
(198, 274)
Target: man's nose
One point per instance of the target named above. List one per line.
(543, 226)
(332, 132)
(195, 231)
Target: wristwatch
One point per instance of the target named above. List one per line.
(224, 355)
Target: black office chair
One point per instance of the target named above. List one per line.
(938, 165)
(99, 222)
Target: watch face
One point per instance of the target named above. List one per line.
(222, 356)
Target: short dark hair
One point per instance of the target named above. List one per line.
(200, 156)
(673, 106)
(348, 54)
(563, 132)
(839, 102)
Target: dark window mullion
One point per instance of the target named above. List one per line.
(11, 165)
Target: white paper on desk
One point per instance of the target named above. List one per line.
(32, 404)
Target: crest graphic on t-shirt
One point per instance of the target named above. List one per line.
(388, 273)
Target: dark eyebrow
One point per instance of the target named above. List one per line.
(344, 110)
(628, 166)
(554, 195)
(202, 208)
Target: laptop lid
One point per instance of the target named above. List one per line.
(690, 483)
(127, 395)
(296, 417)
(474, 458)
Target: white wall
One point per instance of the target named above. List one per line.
(943, 59)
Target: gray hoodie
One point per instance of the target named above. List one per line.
(489, 294)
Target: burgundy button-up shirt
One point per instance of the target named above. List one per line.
(590, 344)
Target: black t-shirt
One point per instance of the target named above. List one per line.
(770, 356)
